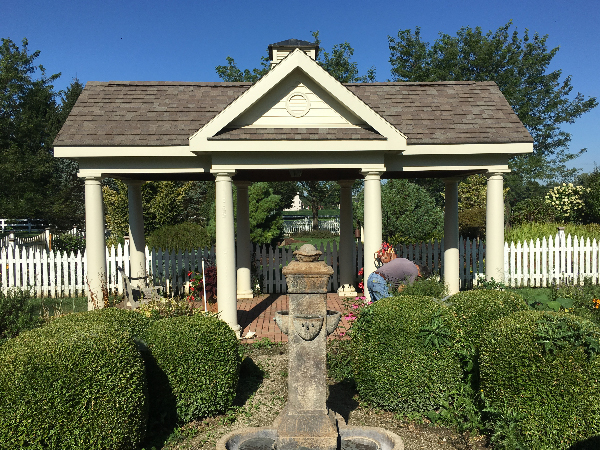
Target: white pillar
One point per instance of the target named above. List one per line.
(244, 249)
(225, 250)
(373, 227)
(451, 253)
(95, 244)
(137, 241)
(494, 228)
(346, 241)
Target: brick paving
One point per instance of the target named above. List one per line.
(258, 314)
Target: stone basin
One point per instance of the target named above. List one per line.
(350, 438)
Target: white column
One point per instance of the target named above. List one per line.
(373, 228)
(244, 249)
(346, 241)
(225, 250)
(95, 244)
(451, 253)
(494, 228)
(137, 241)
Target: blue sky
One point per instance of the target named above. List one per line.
(181, 40)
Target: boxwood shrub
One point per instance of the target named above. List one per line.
(126, 320)
(74, 384)
(540, 372)
(476, 309)
(404, 356)
(193, 367)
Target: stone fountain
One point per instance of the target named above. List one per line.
(306, 422)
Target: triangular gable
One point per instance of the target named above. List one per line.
(298, 93)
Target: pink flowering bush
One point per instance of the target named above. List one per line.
(197, 285)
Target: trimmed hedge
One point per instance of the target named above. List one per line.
(404, 354)
(183, 236)
(74, 384)
(476, 309)
(129, 321)
(193, 366)
(540, 372)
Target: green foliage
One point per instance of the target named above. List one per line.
(74, 384)
(520, 67)
(404, 357)
(193, 366)
(533, 209)
(32, 182)
(122, 319)
(426, 287)
(472, 222)
(17, 313)
(232, 73)
(409, 214)
(591, 197)
(318, 195)
(536, 230)
(315, 234)
(163, 203)
(541, 379)
(548, 300)
(266, 223)
(476, 309)
(338, 63)
(69, 243)
(585, 297)
(182, 236)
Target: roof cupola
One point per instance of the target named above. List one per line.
(280, 50)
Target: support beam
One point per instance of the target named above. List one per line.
(373, 226)
(95, 244)
(137, 241)
(244, 248)
(346, 241)
(494, 228)
(225, 250)
(451, 253)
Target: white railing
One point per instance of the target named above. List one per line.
(55, 274)
(304, 225)
(28, 225)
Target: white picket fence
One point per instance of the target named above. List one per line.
(53, 274)
(304, 225)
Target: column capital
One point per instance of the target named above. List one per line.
(222, 173)
(92, 180)
(452, 179)
(496, 175)
(372, 174)
(242, 184)
(345, 183)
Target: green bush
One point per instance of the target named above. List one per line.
(476, 309)
(17, 313)
(404, 356)
(193, 366)
(429, 287)
(68, 243)
(184, 236)
(540, 373)
(583, 299)
(315, 234)
(121, 319)
(74, 384)
(472, 222)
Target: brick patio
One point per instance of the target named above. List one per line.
(257, 315)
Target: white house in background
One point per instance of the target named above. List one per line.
(296, 123)
(296, 204)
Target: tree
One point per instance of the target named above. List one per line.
(591, 196)
(32, 182)
(319, 195)
(266, 222)
(409, 213)
(338, 63)
(520, 67)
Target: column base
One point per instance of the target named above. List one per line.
(245, 294)
(347, 290)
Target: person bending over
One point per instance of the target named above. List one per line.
(393, 272)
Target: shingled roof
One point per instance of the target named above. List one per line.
(167, 113)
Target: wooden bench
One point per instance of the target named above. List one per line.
(136, 296)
